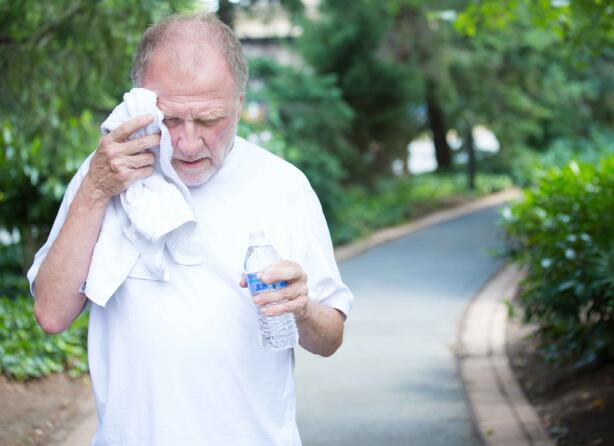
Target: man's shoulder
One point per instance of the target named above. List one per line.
(276, 168)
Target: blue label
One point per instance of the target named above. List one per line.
(257, 286)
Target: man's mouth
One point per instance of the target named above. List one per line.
(191, 163)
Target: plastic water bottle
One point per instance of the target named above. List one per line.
(276, 332)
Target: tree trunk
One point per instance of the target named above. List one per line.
(226, 13)
(470, 157)
(437, 124)
(406, 164)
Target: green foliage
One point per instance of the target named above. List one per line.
(531, 74)
(11, 276)
(588, 25)
(27, 352)
(394, 200)
(528, 166)
(63, 65)
(562, 233)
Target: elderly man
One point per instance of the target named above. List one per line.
(179, 362)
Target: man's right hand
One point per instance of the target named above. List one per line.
(118, 162)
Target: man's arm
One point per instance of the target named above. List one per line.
(58, 300)
(320, 327)
(115, 165)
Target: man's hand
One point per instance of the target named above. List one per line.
(119, 162)
(320, 327)
(294, 298)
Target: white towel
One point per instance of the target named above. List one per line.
(151, 214)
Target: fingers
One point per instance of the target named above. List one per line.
(115, 149)
(141, 144)
(121, 133)
(293, 298)
(112, 170)
(295, 306)
(119, 163)
(139, 174)
(290, 292)
(283, 270)
(141, 160)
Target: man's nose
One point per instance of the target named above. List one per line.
(189, 142)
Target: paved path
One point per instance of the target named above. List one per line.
(395, 381)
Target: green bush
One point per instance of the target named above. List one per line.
(562, 233)
(528, 165)
(28, 352)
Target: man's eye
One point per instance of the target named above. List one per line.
(208, 122)
(170, 122)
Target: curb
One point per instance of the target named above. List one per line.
(502, 414)
(345, 252)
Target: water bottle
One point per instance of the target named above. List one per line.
(276, 332)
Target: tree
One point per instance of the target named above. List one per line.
(510, 67)
(418, 40)
(346, 41)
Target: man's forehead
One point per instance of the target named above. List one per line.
(181, 80)
(193, 105)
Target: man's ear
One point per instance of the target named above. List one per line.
(240, 108)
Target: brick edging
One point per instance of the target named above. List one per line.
(502, 414)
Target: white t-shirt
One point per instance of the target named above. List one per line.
(179, 362)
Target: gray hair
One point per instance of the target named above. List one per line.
(191, 27)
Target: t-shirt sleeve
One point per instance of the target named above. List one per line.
(323, 278)
(69, 195)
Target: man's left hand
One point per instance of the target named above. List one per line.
(293, 298)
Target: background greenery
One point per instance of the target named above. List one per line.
(373, 76)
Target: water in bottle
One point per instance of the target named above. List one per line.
(276, 332)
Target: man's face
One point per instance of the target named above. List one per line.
(201, 109)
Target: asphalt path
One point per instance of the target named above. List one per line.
(395, 381)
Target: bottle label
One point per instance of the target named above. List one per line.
(256, 286)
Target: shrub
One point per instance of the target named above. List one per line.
(562, 233)
(528, 165)
(28, 352)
